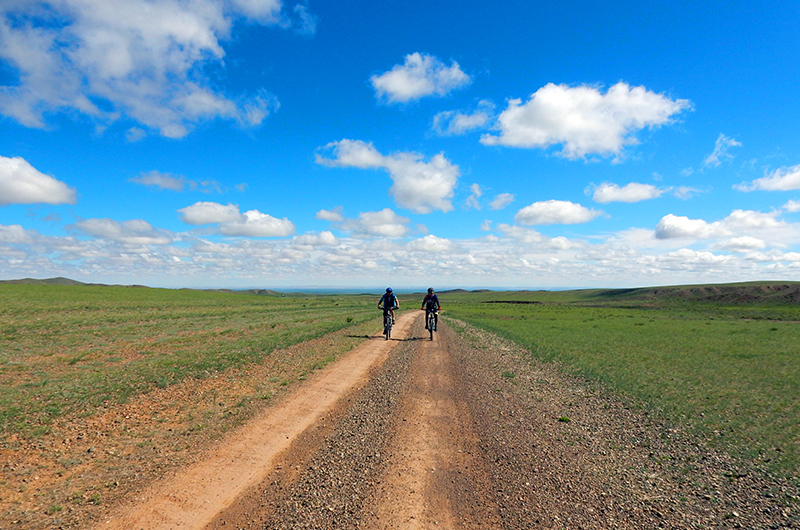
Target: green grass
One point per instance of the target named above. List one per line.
(729, 373)
(64, 350)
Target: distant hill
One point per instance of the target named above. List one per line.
(49, 281)
(733, 293)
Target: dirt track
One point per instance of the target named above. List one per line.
(461, 432)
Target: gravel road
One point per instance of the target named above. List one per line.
(468, 432)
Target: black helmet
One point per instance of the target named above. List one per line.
(430, 290)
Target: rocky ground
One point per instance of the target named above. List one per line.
(468, 432)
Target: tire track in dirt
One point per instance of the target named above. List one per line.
(194, 496)
(432, 468)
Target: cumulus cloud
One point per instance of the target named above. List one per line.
(738, 222)
(312, 239)
(555, 212)
(133, 232)
(582, 119)
(335, 216)
(164, 181)
(741, 244)
(418, 185)
(450, 122)
(782, 179)
(633, 192)
(140, 59)
(253, 223)
(419, 76)
(720, 152)
(473, 200)
(501, 201)
(233, 223)
(432, 244)
(21, 183)
(384, 223)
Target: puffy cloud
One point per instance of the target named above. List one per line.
(633, 192)
(792, 206)
(133, 232)
(233, 223)
(419, 76)
(432, 244)
(739, 221)
(418, 185)
(203, 213)
(452, 122)
(335, 216)
(21, 183)
(164, 181)
(315, 240)
(674, 226)
(501, 201)
(782, 179)
(384, 223)
(741, 244)
(15, 234)
(472, 200)
(138, 58)
(555, 212)
(582, 119)
(720, 153)
(256, 224)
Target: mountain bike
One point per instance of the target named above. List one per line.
(432, 320)
(387, 322)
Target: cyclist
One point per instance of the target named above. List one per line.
(431, 303)
(389, 301)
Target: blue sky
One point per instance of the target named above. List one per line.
(255, 143)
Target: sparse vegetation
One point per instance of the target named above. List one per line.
(720, 361)
(69, 349)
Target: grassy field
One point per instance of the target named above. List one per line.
(65, 350)
(724, 366)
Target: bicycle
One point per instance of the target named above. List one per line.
(387, 322)
(432, 317)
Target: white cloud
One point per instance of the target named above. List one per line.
(432, 244)
(384, 223)
(720, 153)
(21, 183)
(473, 200)
(674, 226)
(418, 185)
(741, 244)
(486, 226)
(233, 223)
(14, 234)
(203, 213)
(311, 240)
(421, 75)
(782, 179)
(335, 216)
(141, 59)
(555, 212)
(501, 201)
(633, 192)
(256, 224)
(739, 222)
(133, 232)
(582, 119)
(452, 122)
(164, 181)
(792, 206)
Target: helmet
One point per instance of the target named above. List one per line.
(430, 290)
(388, 289)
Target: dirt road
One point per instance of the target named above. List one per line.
(460, 432)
